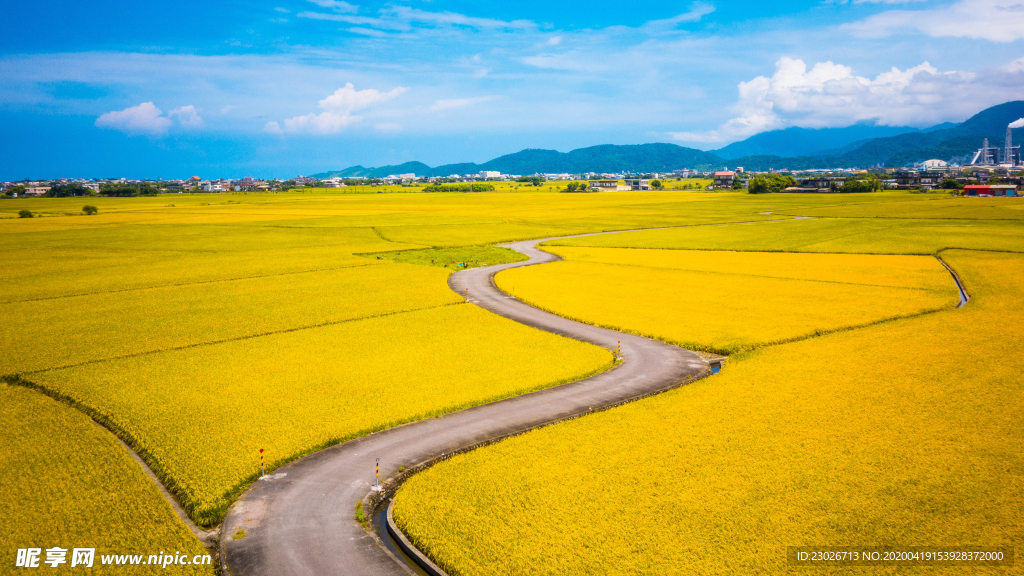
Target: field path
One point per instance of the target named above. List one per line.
(300, 519)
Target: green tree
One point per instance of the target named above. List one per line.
(68, 190)
(737, 184)
(861, 185)
(950, 184)
(18, 189)
(90, 209)
(764, 183)
(25, 214)
(657, 184)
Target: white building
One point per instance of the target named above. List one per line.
(489, 174)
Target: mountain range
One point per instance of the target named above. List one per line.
(794, 148)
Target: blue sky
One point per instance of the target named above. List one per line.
(287, 87)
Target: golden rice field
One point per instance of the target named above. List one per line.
(42, 334)
(199, 415)
(901, 433)
(261, 318)
(833, 235)
(727, 302)
(68, 483)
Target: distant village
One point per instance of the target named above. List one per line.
(991, 171)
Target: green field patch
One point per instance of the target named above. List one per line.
(452, 258)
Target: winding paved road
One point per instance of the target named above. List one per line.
(299, 520)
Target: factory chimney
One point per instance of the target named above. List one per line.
(1008, 154)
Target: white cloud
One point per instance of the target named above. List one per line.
(142, 119)
(187, 116)
(323, 123)
(697, 11)
(338, 109)
(336, 5)
(283, 10)
(348, 99)
(367, 32)
(454, 103)
(830, 95)
(1017, 123)
(403, 17)
(994, 20)
(554, 41)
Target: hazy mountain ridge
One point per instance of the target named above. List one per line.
(943, 141)
(794, 141)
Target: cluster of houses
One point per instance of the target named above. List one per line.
(928, 175)
(975, 180)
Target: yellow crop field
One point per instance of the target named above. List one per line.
(66, 482)
(835, 235)
(903, 433)
(727, 302)
(295, 392)
(41, 334)
(261, 319)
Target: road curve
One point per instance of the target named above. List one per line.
(300, 519)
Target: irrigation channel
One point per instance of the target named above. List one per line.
(300, 519)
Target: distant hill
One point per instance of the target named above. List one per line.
(793, 148)
(917, 146)
(603, 158)
(806, 142)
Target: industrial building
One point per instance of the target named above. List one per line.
(1008, 155)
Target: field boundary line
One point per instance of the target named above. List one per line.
(207, 538)
(382, 237)
(236, 339)
(965, 297)
(182, 284)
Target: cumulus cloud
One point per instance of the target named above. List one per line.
(147, 119)
(994, 20)
(830, 95)
(187, 116)
(323, 123)
(142, 119)
(347, 99)
(338, 111)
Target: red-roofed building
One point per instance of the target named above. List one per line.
(990, 190)
(724, 179)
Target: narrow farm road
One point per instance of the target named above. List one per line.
(300, 519)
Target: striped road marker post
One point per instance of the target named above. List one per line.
(376, 481)
(262, 470)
